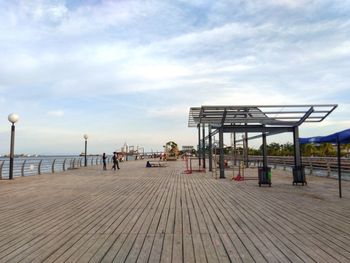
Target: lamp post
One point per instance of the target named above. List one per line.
(85, 137)
(13, 118)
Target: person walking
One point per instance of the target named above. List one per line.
(104, 158)
(115, 161)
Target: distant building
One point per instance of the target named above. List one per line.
(187, 148)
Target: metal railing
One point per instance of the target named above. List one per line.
(44, 165)
(323, 166)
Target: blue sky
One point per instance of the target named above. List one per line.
(128, 71)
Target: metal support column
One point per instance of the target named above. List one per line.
(210, 149)
(297, 155)
(246, 159)
(203, 144)
(234, 149)
(339, 166)
(298, 171)
(199, 145)
(221, 159)
(264, 150)
(264, 172)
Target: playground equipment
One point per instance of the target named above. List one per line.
(264, 175)
(240, 175)
(192, 165)
(171, 151)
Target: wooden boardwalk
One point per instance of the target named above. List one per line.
(142, 214)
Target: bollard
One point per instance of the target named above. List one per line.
(39, 166)
(22, 169)
(53, 166)
(1, 165)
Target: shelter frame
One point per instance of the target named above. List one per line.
(264, 119)
(337, 138)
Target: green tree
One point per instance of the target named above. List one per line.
(287, 149)
(327, 149)
(345, 149)
(252, 151)
(309, 149)
(274, 149)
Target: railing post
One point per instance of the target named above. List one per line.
(328, 169)
(92, 160)
(53, 166)
(311, 168)
(1, 165)
(22, 169)
(80, 162)
(64, 164)
(96, 160)
(39, 166)
(73, 163)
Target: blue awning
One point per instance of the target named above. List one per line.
(342, 137)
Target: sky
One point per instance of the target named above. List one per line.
(128, 71)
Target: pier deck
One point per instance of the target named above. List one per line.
(161, 215)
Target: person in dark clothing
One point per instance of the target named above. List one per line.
(104, 158)
(115, 161)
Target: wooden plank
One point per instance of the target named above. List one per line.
(167, 249)
(145, 252)
(198, 246)
(136, 248)
(157, 247)
(156, 215)
(188, 249)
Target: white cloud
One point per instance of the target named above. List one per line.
(290, 3)
(56, 113)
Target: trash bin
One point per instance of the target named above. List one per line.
(264, 174)
(299, 175)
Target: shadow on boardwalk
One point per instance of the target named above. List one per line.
(160, 215)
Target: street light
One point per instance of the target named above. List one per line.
(13, 118)
(85, 137)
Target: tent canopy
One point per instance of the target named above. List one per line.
(341, 137)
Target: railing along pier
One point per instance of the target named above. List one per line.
(323, 166)
(27, 166)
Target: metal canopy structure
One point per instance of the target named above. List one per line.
(337, 138)
(264, 119)
(268, 115)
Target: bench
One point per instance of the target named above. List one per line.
(158, 163)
